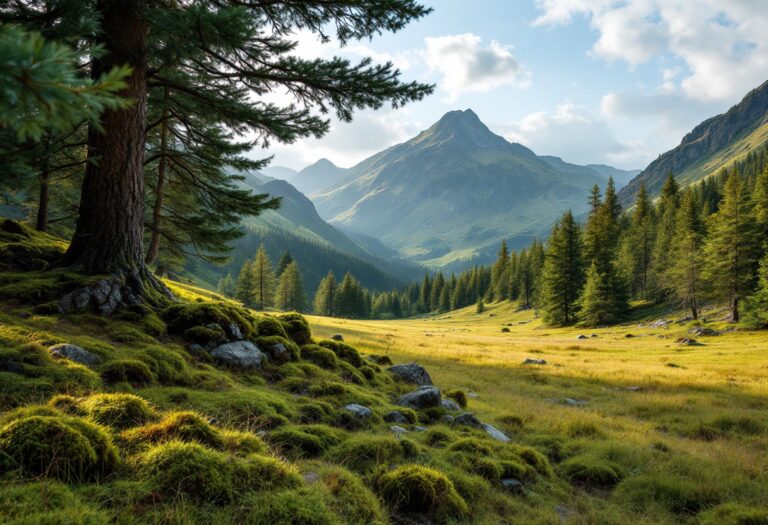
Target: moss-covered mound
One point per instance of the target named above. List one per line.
(117, 410)
(23, 248)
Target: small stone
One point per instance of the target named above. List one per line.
(397, 430)
(311, 477)
(359, 411)
(594, 336)
(513, 485)
(473, 395)
(495, 433)
(447, 419)
(417, 428)
(337, 337)
(505, 330)
(628, 336)
(450, 404)
(411, 373)
(533, 361)
(423, 397)
(239, 354)
(395, 417)
(574, 402)
(687, 341)
(581, 336)
(75, 353)
(467, 419)
(632, 388)
(278, 352)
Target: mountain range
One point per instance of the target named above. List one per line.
(714, 144)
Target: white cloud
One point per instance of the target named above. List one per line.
(465, 65)
(577, 135)
(723, 43)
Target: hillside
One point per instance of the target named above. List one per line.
(318, 176)
(714, 144)
(620, 177)
(452, 192)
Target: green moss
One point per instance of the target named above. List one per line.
(350, 374)
(414, 489)
(130, 371)
(476, 447)
(438, 437)
(257, 472)
(345, 352)
(188, 470)
(734, 514)
(304, 441)
(181, 316)
(130, 335)
(46, 503)
(297, 328)
(316, 412)
(460, 396)
(117, 410)
(670, 491)
(591, 472)
(204, 334)
(67, 404)
(64, 448)
(363, 453)
(268, 326)
(320, 356)
(22, 248)
(531, 457)
(350, 499)
(266, 342)
(181, 426)
(304, 506)
(584, 429)
(167, 366)
(242, 443)
(383, 360)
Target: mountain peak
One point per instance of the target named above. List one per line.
(463, 125)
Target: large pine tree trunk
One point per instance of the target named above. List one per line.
(109, 234)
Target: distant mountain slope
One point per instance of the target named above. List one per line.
(622, 177)
(714, 144)
(318, 176)
(452, 192)
(279, 172)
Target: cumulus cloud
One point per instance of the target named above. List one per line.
(577, 135)
(465, 65)
(723, 43)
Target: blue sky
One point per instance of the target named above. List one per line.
(592, 81)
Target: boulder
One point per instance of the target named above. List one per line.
(532, 361)
(450, 404)
(75, 353)
(467, 419)
(447, 419)
(337, 337)
(359, 411)
(397, 431)
(411, 373)
(581, 336)
(395, 417)
(495, 433)
(278, 353)
(423, 397)
(239, 354)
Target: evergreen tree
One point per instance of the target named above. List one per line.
(669, 203)
(425, 295)
(563, 276)
(347, 303)
(263, 280)
(731, 248)
(637, 245)
(756, 308)
(285, 260)
(435, 298)
(760, 203)
(245, 284)
(597, 305)
(500, 274)
(226, 286)
(684, 274)
(290, 290)
(480, 306)
(325, 297)
(444, 302)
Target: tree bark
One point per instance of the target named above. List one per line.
(43, 202)
(157, 210)
(109, 234)
(735, 317)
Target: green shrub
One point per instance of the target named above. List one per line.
(64, 448)
(188, 469)
(383, 360)
(459, 396)
(414, 489)
(181, 316)
(592, 472)
(345, 352)
(362, 453)
(117, 410)
(304, 441)
(488, 468)
(532, 458)
(181, 426)
(297, 328)
(127, 371)
(320, 356)
(303, 506)
(67, 404)
(268, 326)
(734, 514)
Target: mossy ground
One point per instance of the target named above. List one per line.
(605, 432)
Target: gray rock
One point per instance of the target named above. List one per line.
(411, 373)
(75, 353)
(359, 411)
(495, 433)
(532, 361)
(473, 395)
(397, 431)
(581, 336)
(594, 336)
(395, 417)
(450, 404)
(417, 428)
(239, 354)
(467, 419)
(422, 397)
(513, 485)
(278, 352)
(447, 419)
(574, 402)
(703, 331)
(311, 477)
(337, 337)
(234, 332)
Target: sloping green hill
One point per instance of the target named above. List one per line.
(714, 144)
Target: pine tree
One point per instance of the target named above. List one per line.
(263, 280)
(435, 298)
(756, 307)
(290, 290)
(760, 203)
(500, 274)
(226, 286)
(444, 302)
(425, 294)
(563, 276)
(597, 303)
(480, 306)
(731, 248)
(325, 297)
(669, 203)
(636, 248)
(684, 274)
(347, 304)
(285, 260)
(245, 284)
